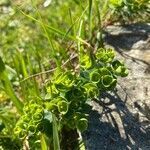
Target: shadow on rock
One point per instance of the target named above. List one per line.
(128, 37)
(114, 125)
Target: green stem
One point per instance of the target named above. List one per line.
(100, 40)
(56, 142)
(43, 143)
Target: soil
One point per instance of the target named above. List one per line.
(123, 123)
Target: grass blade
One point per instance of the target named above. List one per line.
(54, 30)
(56, 142)
(8, 87)
(90, 16)
(43, 143)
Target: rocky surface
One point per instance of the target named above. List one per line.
(123, 123)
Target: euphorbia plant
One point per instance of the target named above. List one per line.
(127, 11)
(68, 93)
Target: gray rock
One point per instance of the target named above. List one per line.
(123, 123)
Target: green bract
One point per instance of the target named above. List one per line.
(76, 94)
(58, 103)
(51, 106)
(51, 91)
(85, 61)
(82, 124)
(95, 76)
(119, 68)
(38, 116)
(108, 81)
(91, 89)
(22, 134)
(104, 71)
(64, 81)
(116, 3)
(105, 55)
(29, 121)
(62, 107)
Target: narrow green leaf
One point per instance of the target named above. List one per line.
(56, 142)
(43, 143)
(2, 66)
(54, 30)
(90, 16)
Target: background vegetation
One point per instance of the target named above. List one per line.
(38, 37)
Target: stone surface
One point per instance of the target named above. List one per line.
(123, 123)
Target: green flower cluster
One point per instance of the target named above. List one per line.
(68, 92)
(29, 122)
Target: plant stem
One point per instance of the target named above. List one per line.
(56, 142)
(43, 143)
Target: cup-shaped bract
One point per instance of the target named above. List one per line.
(95, 76)
(82, 124)
(105, 55)
(64, 81)
(63, 107)
(32, 117)
(76, 94)
(37, 117)
(91, 89)
(85, 61)
(71, 123)
(51, 91)
(51, 106)
(22, 134)
(119, 68)
(104, 71)
(108, 81)
(33, 126)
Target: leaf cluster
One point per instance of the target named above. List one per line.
(128, 10)
(68, 93)
(29, 122)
